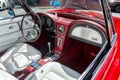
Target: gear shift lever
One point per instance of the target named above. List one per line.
(49, 47)
(50, 53)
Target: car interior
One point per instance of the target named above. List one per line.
(49, 45)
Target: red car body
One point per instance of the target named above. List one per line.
(110, 68)
(82, 35)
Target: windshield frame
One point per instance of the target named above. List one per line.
(108, 20)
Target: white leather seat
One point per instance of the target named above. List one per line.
(6, 76)
(2, 67)
(19, 57)
(53, 71)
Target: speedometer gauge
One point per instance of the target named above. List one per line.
(43, 20)
(49, 22)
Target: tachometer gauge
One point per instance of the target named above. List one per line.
(49, 22)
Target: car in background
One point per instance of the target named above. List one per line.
(115, 5)
(3, 4)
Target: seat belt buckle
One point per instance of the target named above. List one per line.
(35, 65)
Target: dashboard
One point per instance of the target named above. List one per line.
(87, 33)
(83, 30)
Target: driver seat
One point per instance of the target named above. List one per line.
(53, 71)
(19, 57)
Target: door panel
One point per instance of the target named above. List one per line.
(10, 32)
(9, 28)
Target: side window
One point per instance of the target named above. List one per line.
(18, 9)
(5, 6)
(4, 14)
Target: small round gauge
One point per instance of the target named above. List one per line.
(49, 22)
(43, 20)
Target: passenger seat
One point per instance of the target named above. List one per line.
(53, 71)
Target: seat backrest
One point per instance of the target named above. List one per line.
(53, 71)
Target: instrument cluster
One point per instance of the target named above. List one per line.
(47, 23)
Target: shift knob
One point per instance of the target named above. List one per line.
(49, 47)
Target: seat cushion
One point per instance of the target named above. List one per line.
(19, 57)
(6, 76)
(53, 71)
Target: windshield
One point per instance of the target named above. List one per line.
(73, 4)
(82, 4)
(89, 8)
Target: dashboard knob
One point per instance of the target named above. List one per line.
(61, 29)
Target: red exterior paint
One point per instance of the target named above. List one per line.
(110, 69)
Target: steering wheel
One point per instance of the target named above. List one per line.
(31, 27)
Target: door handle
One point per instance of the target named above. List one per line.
(11, 27)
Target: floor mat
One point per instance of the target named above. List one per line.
(78, 56)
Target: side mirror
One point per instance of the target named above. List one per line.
(10, 12)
